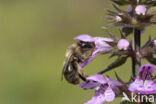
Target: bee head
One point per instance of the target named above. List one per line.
(86, 45)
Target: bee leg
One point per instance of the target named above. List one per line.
(83, 75)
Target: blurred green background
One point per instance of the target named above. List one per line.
(34, 35)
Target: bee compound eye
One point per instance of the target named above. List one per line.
(86, 45)
(83, 45)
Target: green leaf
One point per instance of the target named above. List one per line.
(118, 62)
(151, 59)
(120, 2)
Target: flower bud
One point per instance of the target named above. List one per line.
(140, 10)
(123, 44)
(154, 43)
(118, 19)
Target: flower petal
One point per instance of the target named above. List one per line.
(113, 83)
(109, 95)
(98, 78)
(101, 44)
(136, 86)
(145, 72)
(143, 87)
(89, 85)
(85, 38)
(148, 67)
(97, 99)
(149, 87)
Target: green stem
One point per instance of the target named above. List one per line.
(136, 46)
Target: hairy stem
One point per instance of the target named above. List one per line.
(136, 46)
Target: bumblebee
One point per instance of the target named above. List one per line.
(76, 54)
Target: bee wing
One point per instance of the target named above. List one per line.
(66, 64)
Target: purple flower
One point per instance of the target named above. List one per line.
(123, 44)
(143, 84)
(105, 88)
(101, 46)
(145, 72)
(140, 10)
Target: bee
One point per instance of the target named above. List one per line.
(76, 54)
